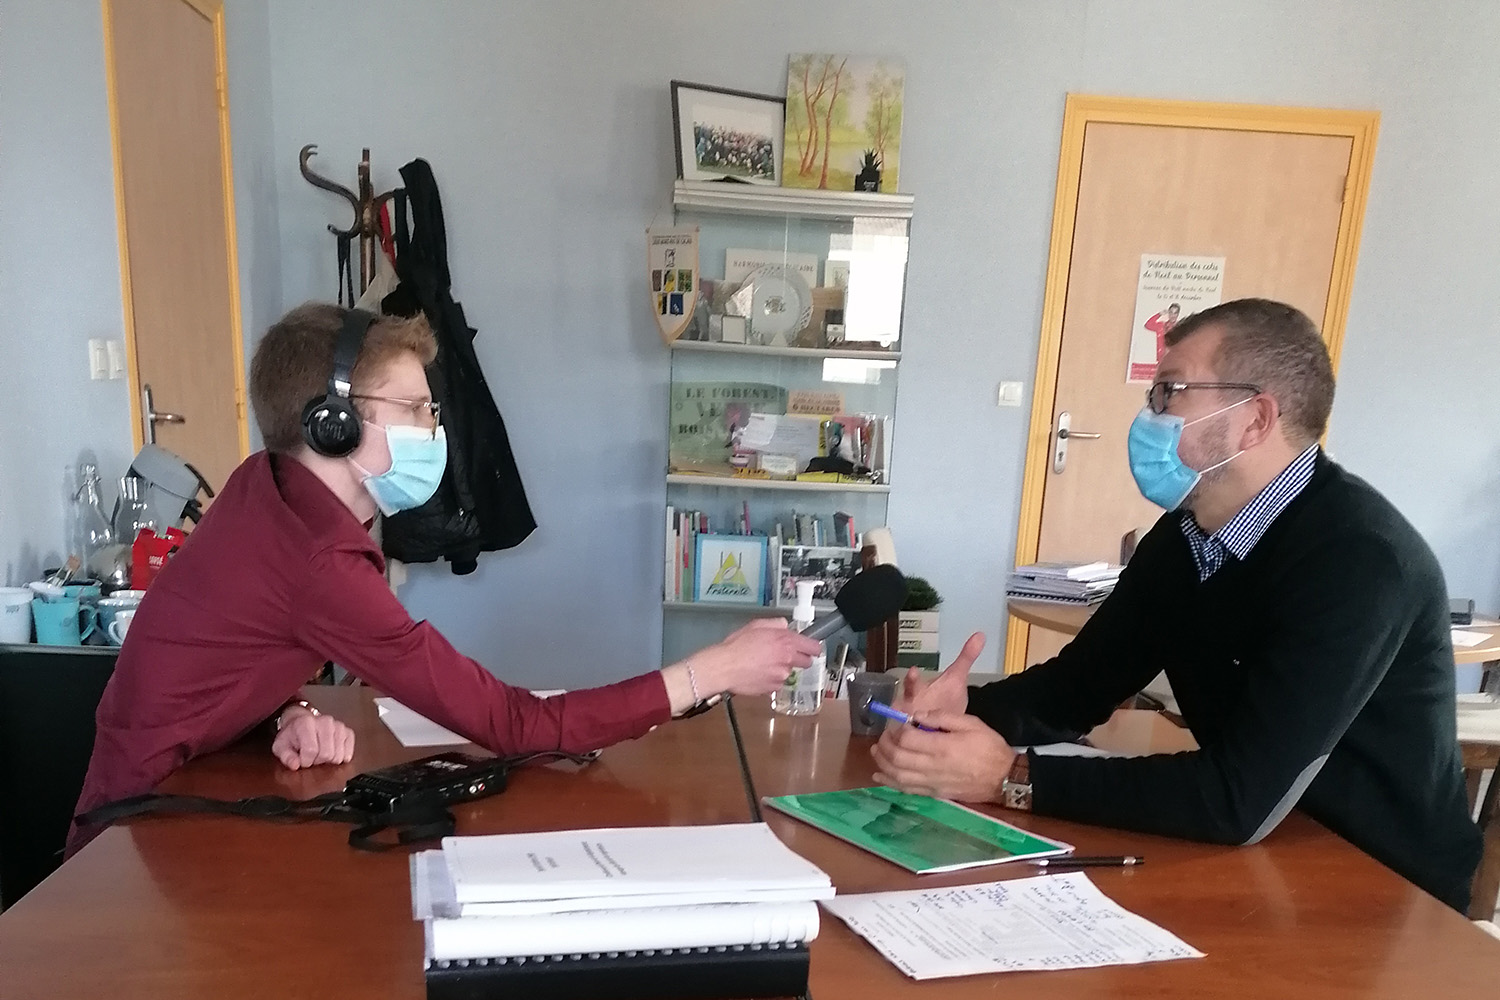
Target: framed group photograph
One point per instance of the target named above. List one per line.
(727, 134)
(830, 567)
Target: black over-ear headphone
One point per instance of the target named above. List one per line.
(330, 425)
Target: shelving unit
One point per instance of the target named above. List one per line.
(865, 235)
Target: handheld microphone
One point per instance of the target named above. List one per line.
(869, 598)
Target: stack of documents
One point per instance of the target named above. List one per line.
(1064, 583)
(724, 896)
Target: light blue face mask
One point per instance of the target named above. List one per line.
(1160, 473)
(418, 459)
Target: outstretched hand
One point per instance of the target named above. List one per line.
(949, 692)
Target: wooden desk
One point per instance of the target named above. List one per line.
(213, 907)
(1064, 618)
(224, 908)
(1486, 652)
(1302, 914)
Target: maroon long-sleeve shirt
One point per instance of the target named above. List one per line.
(279, 578)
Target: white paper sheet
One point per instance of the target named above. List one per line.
(1028, 924)
(796, 436)
(1467, 639)
(414, 730)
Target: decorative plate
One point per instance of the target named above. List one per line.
(777, 301)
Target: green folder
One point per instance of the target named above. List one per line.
(917, 832)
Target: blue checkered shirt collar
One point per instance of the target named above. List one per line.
(1239, 536)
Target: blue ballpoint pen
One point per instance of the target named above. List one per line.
(881, 708)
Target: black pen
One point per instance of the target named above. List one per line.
(1074, 861)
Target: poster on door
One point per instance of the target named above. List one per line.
(1170, 289)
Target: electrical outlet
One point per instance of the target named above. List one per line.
(98, 359)
(1010, 394)
(116, 350)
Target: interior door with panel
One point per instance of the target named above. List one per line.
(173, 190)
(1277, 193)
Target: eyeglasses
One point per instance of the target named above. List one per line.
(424, 412)
(1161, 393)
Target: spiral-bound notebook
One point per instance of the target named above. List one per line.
(721, 950)
(750, 971)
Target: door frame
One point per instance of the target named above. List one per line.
(213, 10)
(1082, 110)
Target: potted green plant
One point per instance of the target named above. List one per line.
(868, 178)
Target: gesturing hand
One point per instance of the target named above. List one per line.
(306, 740)
(950, 691)
(967, 762)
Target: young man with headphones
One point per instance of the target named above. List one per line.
(282, 575)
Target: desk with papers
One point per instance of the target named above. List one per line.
(228, 908)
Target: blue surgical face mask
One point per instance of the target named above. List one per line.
(1160, 473)
(418, 459)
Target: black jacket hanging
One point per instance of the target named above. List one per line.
(481, 505)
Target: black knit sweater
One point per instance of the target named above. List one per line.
(1317, 673)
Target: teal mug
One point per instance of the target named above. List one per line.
(63, 622)
(84, 590)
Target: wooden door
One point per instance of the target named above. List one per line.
(1278, 197)
(173, 192)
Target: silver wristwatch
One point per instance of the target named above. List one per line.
(1015, 790)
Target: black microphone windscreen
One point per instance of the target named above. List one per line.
(871, 597)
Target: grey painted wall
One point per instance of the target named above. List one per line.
(247, 35)
(548, 127)
(59, 273)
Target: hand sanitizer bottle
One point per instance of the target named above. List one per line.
(803, 692)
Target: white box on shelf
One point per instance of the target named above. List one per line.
(916, 642)
(918, 621)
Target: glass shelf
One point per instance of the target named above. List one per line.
(736, 483)
(853, 354)
(751, 610)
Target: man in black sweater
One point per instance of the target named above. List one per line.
(1301, 620)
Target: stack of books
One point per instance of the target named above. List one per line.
(615, 914)
(1063, 583)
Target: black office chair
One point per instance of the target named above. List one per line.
(48, 696)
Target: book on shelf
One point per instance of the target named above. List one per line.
(730, 569)
(711, 911)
